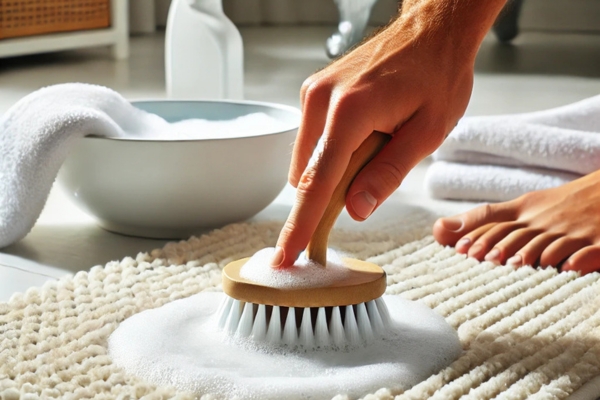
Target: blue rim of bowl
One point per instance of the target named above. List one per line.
(279, 106)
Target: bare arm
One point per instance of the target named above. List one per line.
(412, 80)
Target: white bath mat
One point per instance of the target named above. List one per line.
(526, 333)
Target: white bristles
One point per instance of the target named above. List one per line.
(245, 326)
(224, 311)
(307, 337)
(383, 312)
(321, 329)
(234, 317)
(361, 324)
(259, 330)
(375, 318)
(274, 331)
(364, 323)
(290, 330)
(350, 327)
(336, 327)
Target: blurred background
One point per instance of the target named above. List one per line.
(553, 60)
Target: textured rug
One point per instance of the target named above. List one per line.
(526, 333)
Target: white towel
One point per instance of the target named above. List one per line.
(498, 158)
(459, 181)
(36, 135)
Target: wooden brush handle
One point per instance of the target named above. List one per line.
(317, 247)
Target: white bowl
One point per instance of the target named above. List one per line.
(173, 189)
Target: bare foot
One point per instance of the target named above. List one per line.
(546, 228)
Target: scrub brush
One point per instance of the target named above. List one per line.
(348, 312)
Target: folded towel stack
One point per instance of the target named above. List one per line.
(499, 158)
(36, 135)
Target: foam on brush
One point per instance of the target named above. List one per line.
(303, 274)
(180, 344)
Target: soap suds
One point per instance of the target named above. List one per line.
(254, 124)
(244, 126)
(303, 274)
(179, 344)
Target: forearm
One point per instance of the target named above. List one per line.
(459, 24)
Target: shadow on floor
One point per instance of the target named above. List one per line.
(73, 248)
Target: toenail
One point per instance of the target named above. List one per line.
(453, 224)
(567, 267)
(493, 255)
(473, 251)
(463, 243)
(515, 261)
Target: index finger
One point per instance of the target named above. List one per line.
(316, 187)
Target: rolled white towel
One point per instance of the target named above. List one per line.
(482, 140)
(36, 135)
(528, 151)
(472, 182)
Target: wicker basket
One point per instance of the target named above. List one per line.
(36, 17)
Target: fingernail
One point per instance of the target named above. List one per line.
(463, 243)
(363, 204)
(493, 255)
(278, 257)
(453, 224)
(515, 261)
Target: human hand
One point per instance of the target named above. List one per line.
(411, 81)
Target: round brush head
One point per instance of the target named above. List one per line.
(364, 282)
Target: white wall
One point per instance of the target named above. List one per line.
(551, 15)
(162, 9)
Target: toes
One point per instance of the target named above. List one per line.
(486, 242)
(509, 246)
(463, 245)
(561, 249)
(448, 231)
(585, 260)
(530, 253)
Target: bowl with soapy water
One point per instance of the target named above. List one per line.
(227, 161)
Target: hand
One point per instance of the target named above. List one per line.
(410, 81)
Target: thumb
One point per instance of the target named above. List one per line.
(414, 141)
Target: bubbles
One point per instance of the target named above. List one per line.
(303, 274)
(193, 129)
(246, 125)
(180, 344)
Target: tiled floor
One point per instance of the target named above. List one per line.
(540, 70)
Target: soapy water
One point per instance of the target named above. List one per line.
(180, 344)
(253, 124)
(303, 274)
(244, 126)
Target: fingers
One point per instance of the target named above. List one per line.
(414, 141)
(315, 188)
(315, 97)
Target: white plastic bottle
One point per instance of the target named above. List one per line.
(203, 52)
